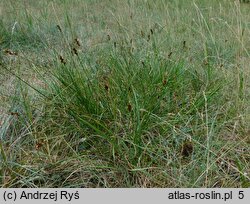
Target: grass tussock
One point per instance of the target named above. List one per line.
(148, 94)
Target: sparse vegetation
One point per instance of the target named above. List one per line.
(124, 93)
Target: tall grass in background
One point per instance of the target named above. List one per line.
(125, 94)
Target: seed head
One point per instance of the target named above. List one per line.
(184, 44)
(149, 37)
(106, 86)
(62, 60)
(74, 50)
(77, 41)
(39, 144)
(129, 107)
(143, 63)
(10, 52)
(164, 81)
(14, 114)
(142, 34)
(59, 28)
(109, 38)
(169, 55)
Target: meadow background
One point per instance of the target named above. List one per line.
(132, 93)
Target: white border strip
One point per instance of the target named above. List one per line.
(124, 195)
